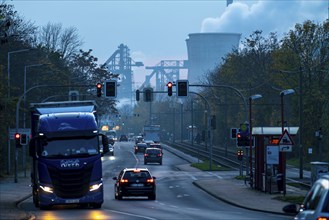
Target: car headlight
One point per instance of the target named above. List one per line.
(95, 187)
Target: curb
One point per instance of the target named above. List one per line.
(236, 204)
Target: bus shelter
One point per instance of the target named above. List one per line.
(266, 157)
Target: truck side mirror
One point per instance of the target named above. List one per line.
(32, 148)
(105, 143)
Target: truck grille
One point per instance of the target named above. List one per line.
(71, 183)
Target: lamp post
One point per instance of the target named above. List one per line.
(25, 71)
(9, 53)
(282, 158)
(8, 95)
(251, 98)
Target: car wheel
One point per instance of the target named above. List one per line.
(160, 162)
(145, 162)
(152, 196)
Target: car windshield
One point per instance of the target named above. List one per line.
(77, 147)
(131, 175)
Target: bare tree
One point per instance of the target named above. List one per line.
(54, 38)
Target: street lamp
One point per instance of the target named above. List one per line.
(9, 53)
(251, 98)
(8, 95)
(282, 158)
(25, 71)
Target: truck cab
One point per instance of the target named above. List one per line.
(66, 149)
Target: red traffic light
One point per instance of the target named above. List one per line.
(169, 85)
(17, 136)
(99, 85)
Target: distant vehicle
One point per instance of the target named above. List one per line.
(111, 150)
(140, 147)
(316, 203)
(152, 132)
(153, 155)
(123, 137)
(112, 134)
(138, 139)
(148, 142)
(135, 182)
(156, 145)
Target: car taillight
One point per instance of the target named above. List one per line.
(159, 155)
(151, 180)
(146, 155)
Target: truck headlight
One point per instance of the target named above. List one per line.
(47, 189)
(95, 187)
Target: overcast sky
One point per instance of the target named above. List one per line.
(156, 30)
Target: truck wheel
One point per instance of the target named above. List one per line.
(97, 205)
(44, 207)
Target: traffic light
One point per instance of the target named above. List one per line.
(99, 89)
(148, 95)
(17, 137)
(182, 87)
(24, 139)
(242, 140)
(240, 154)
(233, 133)
(137, 94)
(111, 88)
(169, 85)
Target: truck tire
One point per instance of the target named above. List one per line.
(97, 205)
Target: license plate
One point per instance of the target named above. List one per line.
(72, 201)
(137, 184)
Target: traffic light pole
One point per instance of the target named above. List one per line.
(208, 128)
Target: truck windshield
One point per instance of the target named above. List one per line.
(77, 147)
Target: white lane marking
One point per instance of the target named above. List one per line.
(214, 174)
(129, 214)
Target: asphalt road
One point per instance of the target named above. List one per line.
(177, 197)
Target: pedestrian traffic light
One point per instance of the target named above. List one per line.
(240, 154)
(137, 94)
(17, 137)
(99, 89)
(182, 87)
(23, 139)
(148, 95)
(110, 88)
(169, 85)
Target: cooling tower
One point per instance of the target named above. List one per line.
(206, 50)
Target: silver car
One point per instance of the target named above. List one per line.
(316, 203)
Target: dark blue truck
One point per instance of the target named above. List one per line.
(66, 149)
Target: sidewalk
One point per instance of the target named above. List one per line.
(11, 194)
(235, 192)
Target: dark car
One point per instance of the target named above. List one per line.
(156, 145)
(316, 203)
(140, 147)
(135, 182)
(123, 137)
(153, 155)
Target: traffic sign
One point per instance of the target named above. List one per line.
(285, 139)
(285, 148)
